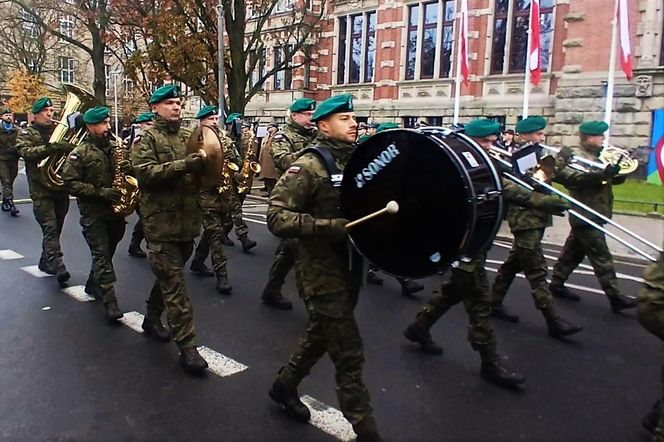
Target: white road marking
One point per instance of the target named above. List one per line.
(255, 221)
(567, 284)
(329, 419)
(78, 293)
(9, 254)
(21, 170)
(46, 308)
(585, 272)
(34, 271)
(219, 364)
(133, 320)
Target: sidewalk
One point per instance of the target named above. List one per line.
(651, 229)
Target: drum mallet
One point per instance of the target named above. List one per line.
(392, 207)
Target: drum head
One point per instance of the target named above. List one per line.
(417, 171)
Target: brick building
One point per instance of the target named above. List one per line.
(397, 59)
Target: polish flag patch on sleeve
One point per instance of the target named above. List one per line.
(294, 169)
(73, 156)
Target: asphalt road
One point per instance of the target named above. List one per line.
(66, 375)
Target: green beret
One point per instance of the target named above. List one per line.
(96, 115)
(206, 111)
(531, 124)
(482, 127)
(232, 117)
(164, 92)
(386, 126)
(144, 117)
(303, 104)
(41, 104)
(333, 105)
(593, 127)
(5, 110)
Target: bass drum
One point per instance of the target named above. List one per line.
(449, 196)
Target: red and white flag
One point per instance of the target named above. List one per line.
(534, 57)
(622, 17)
(464, 41)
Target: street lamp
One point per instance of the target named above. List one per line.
(115, 98)
(220, 56)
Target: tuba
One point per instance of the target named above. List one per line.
(126, 184)
(249, 165)
(614, 155)
(228, 169)
(78, 101)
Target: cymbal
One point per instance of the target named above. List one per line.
(205, 140)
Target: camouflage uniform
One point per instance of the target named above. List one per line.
(651, 315)
(8, 161)
(305, 205)
(286, 148)
(594, 190)
(235, 199)
(89, 169)
(171, 220)
(50, 207)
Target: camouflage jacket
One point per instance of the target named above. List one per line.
(31, 144)
(590, 187)
(651, 298)
(168, 198)
(8, 151)
(288, 144)
(89, 168)
(302, 196)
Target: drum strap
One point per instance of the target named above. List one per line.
(335, 174)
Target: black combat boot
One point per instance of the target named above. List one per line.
(420, 335)
(13, 210)
(247, 244)
(562, 292)
(62, 275)
(113, 312)
(92, 289)
(199, 268)
(288, 398)
(622, 302)
(45, 266)
(651, 419)
(276, 300)
(5, 205)
(373, 278)
(495, 370)
(557, 326)
(136, 251)
(499, 311)
(227, 241)
(154, 329)
(223, 286)
(192, 361)
(366, 430)
(409, 287)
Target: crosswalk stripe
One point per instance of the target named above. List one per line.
(133, 320)
(78, 293)
(585, 272)
(567, 284)
(329, 420)
(34, 271)
(9, 254)
(219, 364)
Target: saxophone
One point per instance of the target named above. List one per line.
(249, 166)
(228, 168)
(126, 184)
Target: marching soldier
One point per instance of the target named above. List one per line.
(171, 220)
(88, 174)
(594, 189)
(527, 225)
(305, 205)
(50, 206)
(287, 146)
(213, 205)
(145, 120)
(469, 283)
(234, 215)
(8, 161)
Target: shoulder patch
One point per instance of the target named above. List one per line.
(278, 137)
(293, 169)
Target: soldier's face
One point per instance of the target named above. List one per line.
(303, 118)
(44, 116)
(7, 118)
(533, 137)
(595, 140)
(168, 109)
(341, 126)
(101, 129)
(486, 142)
(211, 121)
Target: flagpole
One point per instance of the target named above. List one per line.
(526, 81)
(457, 88)
(612, 70)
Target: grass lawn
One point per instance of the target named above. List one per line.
(634, 195)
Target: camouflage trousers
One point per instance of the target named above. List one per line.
(332, 329)
(137, 235)
(50, 213)
(169, 293)
(211, 240)
(234, 215)
(103, 237)
(468, 284)
(8, 173)
(284, 260)
(525, 256)
(587, 241)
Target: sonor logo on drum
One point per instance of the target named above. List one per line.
(374, 167)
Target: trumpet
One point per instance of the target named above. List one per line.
(608, 155)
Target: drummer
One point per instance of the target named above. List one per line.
(469, 284)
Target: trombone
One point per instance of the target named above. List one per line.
(498, 154)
